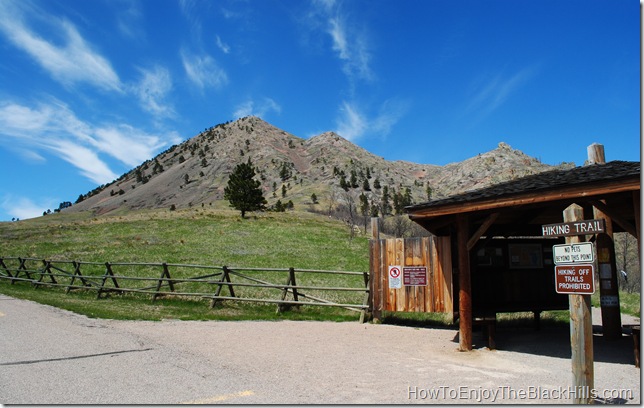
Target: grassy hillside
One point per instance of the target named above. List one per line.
(194, 236)
(210, 237)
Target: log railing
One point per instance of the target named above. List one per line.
(306, 287)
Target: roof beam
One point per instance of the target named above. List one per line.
(574, 192)
(482, 229)
(627, 226)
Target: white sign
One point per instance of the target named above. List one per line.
(395, 281)
(573, 253)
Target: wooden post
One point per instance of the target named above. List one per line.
(608, 283)
(465, 285)
(375, 228)
(581, 328)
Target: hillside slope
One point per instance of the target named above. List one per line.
(195, 172)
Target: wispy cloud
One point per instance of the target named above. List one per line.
(348, 40)
(83, 158)
(260, 109)
(72, 62)
(152, 89)
(493, 92)
(203, 70)
(52, 127)
(353, 123)
(128, 19)
(225, 48)
(24, 208)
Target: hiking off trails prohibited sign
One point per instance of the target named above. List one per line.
(575, 279)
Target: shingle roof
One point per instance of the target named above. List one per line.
(548, 180)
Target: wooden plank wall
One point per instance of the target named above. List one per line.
(432, 252)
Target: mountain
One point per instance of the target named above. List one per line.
(195, 172)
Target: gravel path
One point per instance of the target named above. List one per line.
(287, 362)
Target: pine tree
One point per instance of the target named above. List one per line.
(243, 191)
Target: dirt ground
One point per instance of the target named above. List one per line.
(52, 356)
(323, 362)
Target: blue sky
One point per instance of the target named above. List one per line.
(90, 89)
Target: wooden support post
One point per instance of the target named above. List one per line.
(375, 228)
(581, 328)
(23, 268)
(608, 286)
(77, 273)
(47, 271)
(636, 210)
(376, 281)
(225, 277)
(165, 274)
(465, 284)
(281, 307)
(108, 274)
(6, 269)
(367, 298)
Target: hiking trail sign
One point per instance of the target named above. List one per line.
(570, 229)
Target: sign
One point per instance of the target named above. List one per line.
(394, 277)
(575, 279)
(415, 276)
(569, 229)
(573, 253)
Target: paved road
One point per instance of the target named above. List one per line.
(50, 356)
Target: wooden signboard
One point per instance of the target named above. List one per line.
(415, 276)
(571, 229)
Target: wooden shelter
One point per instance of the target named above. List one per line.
(520, 208)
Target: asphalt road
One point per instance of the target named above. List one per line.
(51, 356)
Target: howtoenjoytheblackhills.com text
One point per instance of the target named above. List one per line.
(507, 394)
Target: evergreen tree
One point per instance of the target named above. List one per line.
(243, 191)
(364, 205)
(384, 202)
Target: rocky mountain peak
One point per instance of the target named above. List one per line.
(195, 172)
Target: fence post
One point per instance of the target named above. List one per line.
(47, 271)
(78, 273)
(6, 269)
(366, 301)
(164, 274)
(290, 282)
(225, 277)
(23, 268)
(108, 273)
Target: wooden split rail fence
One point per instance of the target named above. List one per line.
(242, 284)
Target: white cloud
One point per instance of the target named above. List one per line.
(203, 71)
(128, 19)
(261, 109)
(55, 129)
(24, 208)
(152, 90)
(353, 123)
(72, 62)
(494, 92)
(349, 42)
(86, 160)
(123, 142)
(225, 48)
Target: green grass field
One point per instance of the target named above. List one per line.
(214, 237)
(200, 237)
